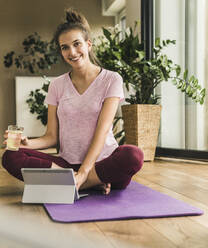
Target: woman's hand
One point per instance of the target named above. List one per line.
(23, 143)
(5, 137)
(80, 178)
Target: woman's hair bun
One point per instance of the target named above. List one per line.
(74, 17)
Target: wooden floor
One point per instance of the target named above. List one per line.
(29, 225)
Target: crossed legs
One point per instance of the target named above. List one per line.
(116, 169)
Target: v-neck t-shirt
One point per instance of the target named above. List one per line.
(78, 113)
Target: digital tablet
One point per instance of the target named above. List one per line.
(46, 185)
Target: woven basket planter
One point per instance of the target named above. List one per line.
(141, 126)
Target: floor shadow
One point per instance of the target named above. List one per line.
(10, 191)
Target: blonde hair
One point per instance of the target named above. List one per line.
(74, 20)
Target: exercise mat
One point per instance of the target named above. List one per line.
(135, 202)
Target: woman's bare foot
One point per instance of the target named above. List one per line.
(105, 188)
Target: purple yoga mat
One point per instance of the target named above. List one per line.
(136, 201)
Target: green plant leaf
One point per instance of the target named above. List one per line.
(116, 120)
(191, 79)
(203, 92)
(178, 71)
(141, 54)
(201, 101)
(107, 34)
(145, 69)
(185, 74)
(164, 61)
(157, 42)
(174, 81)
(122, 140)
(194, 95)
(183, 88)
(119, 134)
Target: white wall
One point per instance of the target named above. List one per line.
(23, 87)
(133, 12)
(112, 7)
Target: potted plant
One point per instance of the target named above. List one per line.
(141, 76)
(37, 57)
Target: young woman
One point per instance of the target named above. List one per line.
(81, 107)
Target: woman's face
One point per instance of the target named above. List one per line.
(74, 48)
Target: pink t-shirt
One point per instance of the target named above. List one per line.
(78, 114)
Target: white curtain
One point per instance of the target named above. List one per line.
(196, 40)
(170, 24)
(184, 123)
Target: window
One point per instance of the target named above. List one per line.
(121, 21)
(183, 123)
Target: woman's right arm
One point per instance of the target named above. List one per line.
(50, 138)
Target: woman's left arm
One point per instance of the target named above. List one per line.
(104, 123)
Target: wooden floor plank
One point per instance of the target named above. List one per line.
(196, 169)
(133, 234)
(202, 219)
(183, 232)
(183, 183)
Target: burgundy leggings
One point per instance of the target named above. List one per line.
(116, 169)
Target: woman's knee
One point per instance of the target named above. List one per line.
(132, 155)
(11, 162)
(121, 184)
(7, 159)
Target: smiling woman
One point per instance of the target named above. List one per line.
(75, 50)
(82, 104)
(74, 22)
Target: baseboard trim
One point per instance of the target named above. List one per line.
(182, 154)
